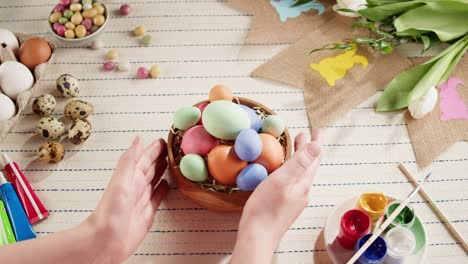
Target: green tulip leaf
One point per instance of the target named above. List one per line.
(446, 18)
(396, 93)
(381, 12)
(411, 84)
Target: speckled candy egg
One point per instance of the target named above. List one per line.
(224, 165)
(193, 167)
(51, 152)
(186, 117)
(197, 140)
(68, 86)
(78, 109)
(273, 125)
(251, 176)
(79, 132)
(50, 127)
(248, 145)
(224, 119)
(44, 105)
(272, 155)
(220, 92)
(255, 121)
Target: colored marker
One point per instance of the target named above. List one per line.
(18, 219)
(6, 233)
(34, 208)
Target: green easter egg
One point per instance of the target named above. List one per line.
(224, 119)
(273, 125)
(193, 167)
(186, 117)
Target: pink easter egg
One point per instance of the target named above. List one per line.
(60, 30)
(202, 107)
(142, 73)
(197, 140)
(59, 8)
(87, 23)
(109, 66)
(65, 3)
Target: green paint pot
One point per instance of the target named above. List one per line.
(405, 218)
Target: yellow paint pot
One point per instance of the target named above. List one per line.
(374, 204)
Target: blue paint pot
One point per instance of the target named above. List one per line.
(375, 254)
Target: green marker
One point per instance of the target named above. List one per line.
(6, 233)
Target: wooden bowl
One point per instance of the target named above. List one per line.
(213, 200)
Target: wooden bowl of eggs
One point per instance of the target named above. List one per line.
(221, 149)
(78, 23)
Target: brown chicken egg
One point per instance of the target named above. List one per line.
(33, 52)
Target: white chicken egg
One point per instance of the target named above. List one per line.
(8, 40)
(15, 78)
(7, 108)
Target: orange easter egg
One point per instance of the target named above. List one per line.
(220, 92)
(272, 155)
(224, 165)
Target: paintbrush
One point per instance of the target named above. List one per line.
(441, 215)
(387, 222)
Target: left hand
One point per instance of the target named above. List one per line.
(128, 207)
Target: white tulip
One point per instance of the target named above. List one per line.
(424, 105)
(349, 4)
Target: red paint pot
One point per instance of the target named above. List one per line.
(354, 224)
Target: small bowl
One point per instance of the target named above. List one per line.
(210, 199)
(79, 42)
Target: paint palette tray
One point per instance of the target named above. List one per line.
(340, 255)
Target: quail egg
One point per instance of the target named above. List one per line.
(44, 105)
(68, 85)
(79, 132)
(51, 152)
(78, 109)
(50, 127)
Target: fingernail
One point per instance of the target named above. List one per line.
(314, 149)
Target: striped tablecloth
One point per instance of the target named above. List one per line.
(199, 43)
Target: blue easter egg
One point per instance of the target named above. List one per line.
(248, 145)
(251, 176)
(255, 121)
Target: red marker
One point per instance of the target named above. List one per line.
(34, 208)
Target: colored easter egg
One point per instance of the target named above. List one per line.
(197, 140)
(186, 117)
(248, 145)
(220, 92)
(272, 155)
(273, 125)
(251, 176)
(224, 119)
(255, 121)
(224, 165)
(202, 108)
(193, 167)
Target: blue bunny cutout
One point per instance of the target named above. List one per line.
(285, 10)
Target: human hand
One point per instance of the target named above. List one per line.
(276, 203)
(129, 204)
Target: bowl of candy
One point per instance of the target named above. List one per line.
(221, 149)
(78, 22)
